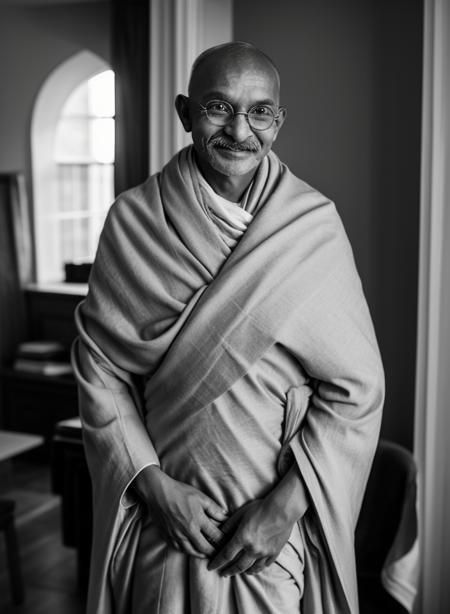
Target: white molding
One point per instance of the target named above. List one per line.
(432, 426)
(179, 31)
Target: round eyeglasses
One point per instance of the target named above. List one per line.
(221, 113)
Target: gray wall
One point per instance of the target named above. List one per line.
(33, 41)
(351, 80)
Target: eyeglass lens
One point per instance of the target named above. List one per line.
(220, 113)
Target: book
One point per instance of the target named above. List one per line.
(43, 367)
(42, 350)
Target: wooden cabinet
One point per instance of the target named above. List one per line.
(34, 403)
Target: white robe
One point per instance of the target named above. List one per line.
(270, 342)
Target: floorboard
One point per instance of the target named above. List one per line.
(48, 567)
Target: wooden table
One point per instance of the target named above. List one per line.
(71, 480)
(12, 443)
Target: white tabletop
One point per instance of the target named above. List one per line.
(12, 443)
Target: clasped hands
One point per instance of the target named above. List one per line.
(246, 541)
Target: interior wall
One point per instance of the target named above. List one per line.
(218, 22)
(33, 41)
(351, 81)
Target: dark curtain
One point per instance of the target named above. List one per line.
(15, 262)
(130, 59)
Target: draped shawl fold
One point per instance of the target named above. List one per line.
(172, 306)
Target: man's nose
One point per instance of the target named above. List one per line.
(239, 129)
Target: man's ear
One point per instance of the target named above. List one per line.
(183, 110)
(282, 112)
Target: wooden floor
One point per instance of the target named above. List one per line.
(48, 568)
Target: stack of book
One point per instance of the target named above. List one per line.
(43, 357)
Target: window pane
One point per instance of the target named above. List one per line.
(73, 187)
(72, 143)
(75, 240)
(82, 252)
(101, 94)
(77, 104)
(94, 98)
(102, 140)
(66, 240)
(101, 188)
(85, 130)
(86, 193)
(84, 140)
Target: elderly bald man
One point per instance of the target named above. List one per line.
(230, 381)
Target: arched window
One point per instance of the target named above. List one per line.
(73, 162)
(84, 157)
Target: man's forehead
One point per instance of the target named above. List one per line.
(221, 66)
(224, 75)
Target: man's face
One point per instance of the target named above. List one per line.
(234, 149)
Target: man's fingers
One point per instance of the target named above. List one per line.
(215, 512)
(188, 548)
(201, 544)
(227, 554)
(212, 533)
(231, 523)
(257, 566)
(240, 565)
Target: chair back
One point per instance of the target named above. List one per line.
(392, 482)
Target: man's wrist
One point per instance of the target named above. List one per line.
(148, 481)
(288, 511)
(289, 499)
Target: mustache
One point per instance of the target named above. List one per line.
(248, 145)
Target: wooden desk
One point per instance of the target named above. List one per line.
(12, 443)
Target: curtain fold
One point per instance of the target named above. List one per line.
(15, 262)
(130, 61)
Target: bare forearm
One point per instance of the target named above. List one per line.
(289, 497)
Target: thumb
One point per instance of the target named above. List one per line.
(231, 522)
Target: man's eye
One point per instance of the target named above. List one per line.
(261, 111)
(218, 108)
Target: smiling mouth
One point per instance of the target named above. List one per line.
(245, 147)
(238, 152)
(235, 152)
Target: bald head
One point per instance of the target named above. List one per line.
(237, 55)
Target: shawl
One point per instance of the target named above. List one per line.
(171, 304)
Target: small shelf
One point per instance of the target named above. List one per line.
(58, 288)
(67, 379)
